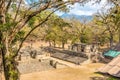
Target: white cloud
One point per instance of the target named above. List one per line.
(81, 12)
(88, 9)
(59, 13)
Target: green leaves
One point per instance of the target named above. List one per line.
(111, 78)
(1, 45)
(19, 36)
(8, 25)
(14, 6)
(31, 22)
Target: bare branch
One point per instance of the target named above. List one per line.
(8, 6)
(17, 10)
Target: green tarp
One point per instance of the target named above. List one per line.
(112, 53)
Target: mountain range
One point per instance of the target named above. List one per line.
(78, 17)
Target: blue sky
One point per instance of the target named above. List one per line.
(87, 9)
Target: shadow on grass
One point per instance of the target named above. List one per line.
(105, 77)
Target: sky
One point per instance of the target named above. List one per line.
(87, 9)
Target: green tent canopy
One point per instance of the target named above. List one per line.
(112, 53)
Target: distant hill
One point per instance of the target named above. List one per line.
(79, 17)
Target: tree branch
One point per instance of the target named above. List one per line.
(35, 28)
(17, 10)
(8, 6)
(24, 22)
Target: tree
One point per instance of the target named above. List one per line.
(80, 31)
(111, 20)
(56, 31)
(14, 16)
(63, 35)
(115, 15)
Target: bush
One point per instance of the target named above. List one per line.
(111, 78)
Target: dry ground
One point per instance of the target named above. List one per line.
(83, 72)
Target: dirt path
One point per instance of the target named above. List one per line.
(80, 73)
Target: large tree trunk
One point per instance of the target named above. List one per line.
(49, 43)
(1, 66)
(54, 43)
(2, 21)
(4, 53)
(2, 12)
(8, 61)
(63, 45)
(111, 39)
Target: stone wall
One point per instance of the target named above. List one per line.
(57, 65)
(72, 53)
